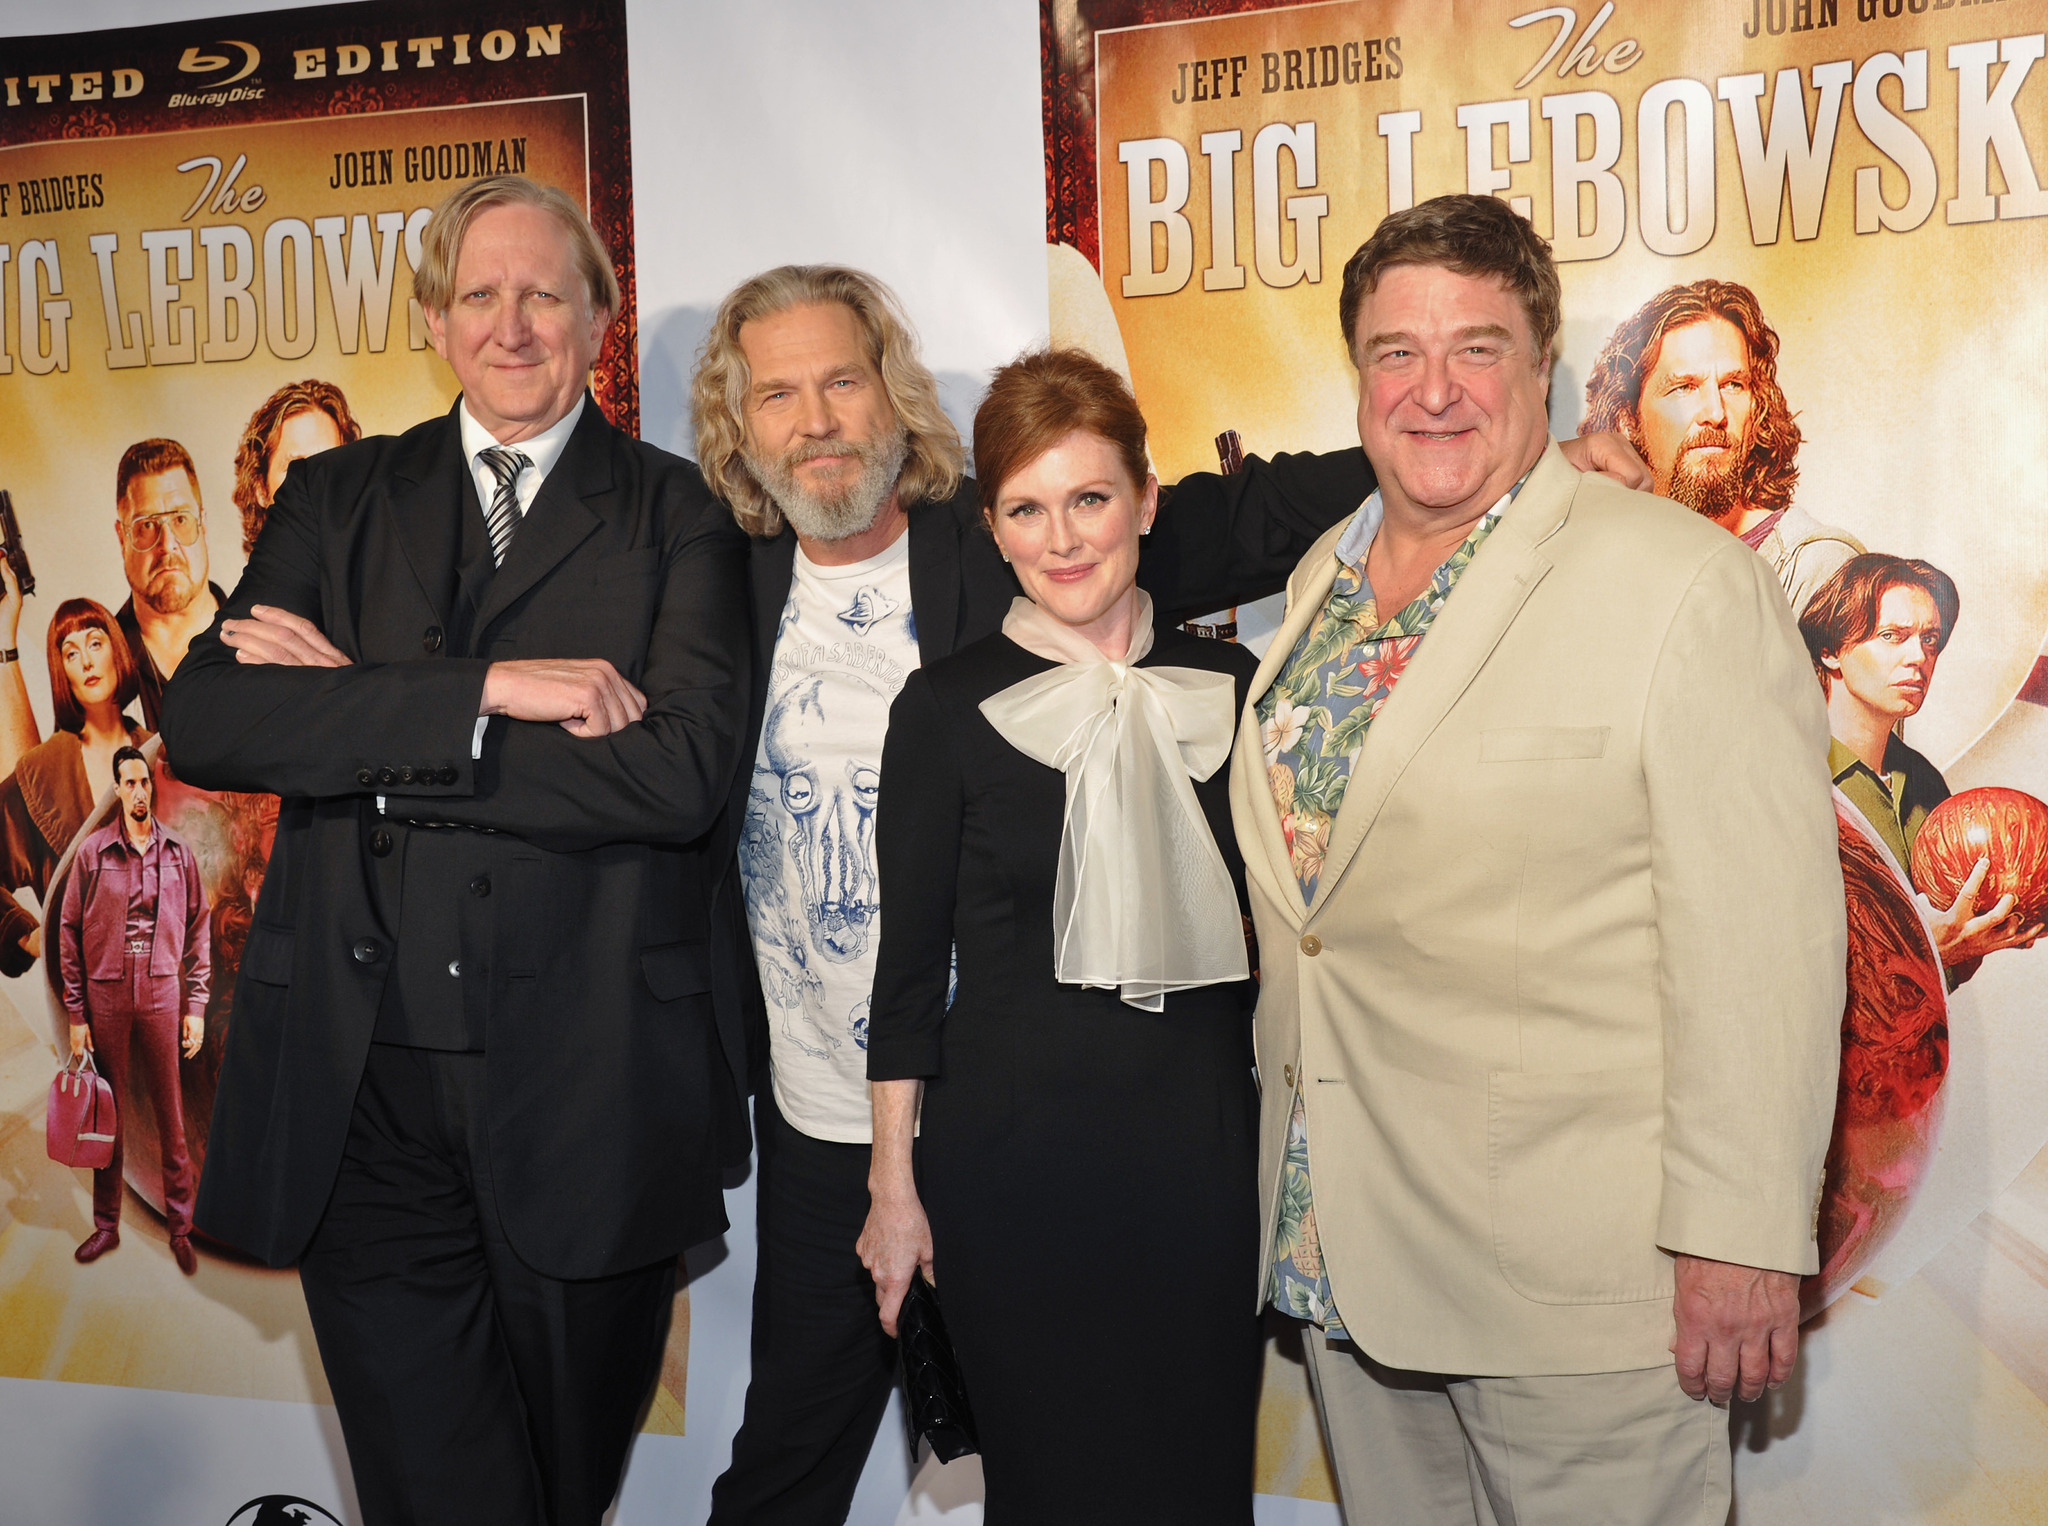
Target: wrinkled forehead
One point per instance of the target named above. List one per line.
(514, 243)
(1709, 343)
(160, 493)
(134, 771)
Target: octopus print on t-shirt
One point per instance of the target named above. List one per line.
(807, 856)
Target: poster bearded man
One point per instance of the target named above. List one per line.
(1692, 380)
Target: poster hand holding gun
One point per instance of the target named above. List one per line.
(16, 580)
(14, 555)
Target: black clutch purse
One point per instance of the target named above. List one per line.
(936, 1398)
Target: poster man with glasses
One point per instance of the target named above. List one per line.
(162, 527)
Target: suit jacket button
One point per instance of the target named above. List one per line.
(432, 640)
(366, 777)
(1287, 1074)
(380, 842)
(366, 950)
(455, 968)
(387, 775)
(480, 886)
(1311, 945)
(447, 775)
(427, 774)
(405, 774)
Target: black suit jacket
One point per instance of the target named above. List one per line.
(584, 886)
(1217, 541)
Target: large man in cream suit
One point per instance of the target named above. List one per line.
(1535, 812)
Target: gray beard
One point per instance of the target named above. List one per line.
(852, 509)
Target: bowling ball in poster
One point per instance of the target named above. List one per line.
(2007, 826)
(1894, 1062)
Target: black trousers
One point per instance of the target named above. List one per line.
(470, 1387)
(822, 1368)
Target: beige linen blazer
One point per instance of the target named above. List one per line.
(1568, 997)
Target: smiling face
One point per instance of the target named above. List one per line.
(521, 334)
(822, 438)
(165, 570)
(1069, 522)
(1451, 391)
(1888, 673)
(305, 433)
(1695, 416)
(89, 666)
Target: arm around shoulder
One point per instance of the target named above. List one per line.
(1223, 540)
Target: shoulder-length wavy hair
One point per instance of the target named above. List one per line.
(1614, 390)
(259, 439)
(718, 390)
(73, 616)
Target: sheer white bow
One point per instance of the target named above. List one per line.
(1143, 903)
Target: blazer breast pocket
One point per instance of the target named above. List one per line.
(1535, 744)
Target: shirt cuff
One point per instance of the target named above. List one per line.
(476, 741)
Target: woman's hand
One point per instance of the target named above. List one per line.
(194, 1034)
(81, 1041)
(896, 1240)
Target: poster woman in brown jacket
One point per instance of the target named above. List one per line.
(47, 798)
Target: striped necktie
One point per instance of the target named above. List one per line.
(503, 519)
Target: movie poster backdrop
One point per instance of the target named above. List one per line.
(1849, 194)
(208, 233)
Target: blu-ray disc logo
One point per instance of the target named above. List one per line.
(282, 1510)
(196, 62)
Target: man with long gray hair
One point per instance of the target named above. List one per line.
(819, 425)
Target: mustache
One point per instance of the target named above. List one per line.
(1707, 434)
(811, 450)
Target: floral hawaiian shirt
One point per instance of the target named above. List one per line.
(1313, 722)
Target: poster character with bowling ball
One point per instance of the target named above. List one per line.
(1875, 631)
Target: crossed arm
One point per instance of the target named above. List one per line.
(273, 700)
(585, 696)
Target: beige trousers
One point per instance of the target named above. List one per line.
(1606, 1449)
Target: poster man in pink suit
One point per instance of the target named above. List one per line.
(135, 950)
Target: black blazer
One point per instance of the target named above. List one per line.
(1217, 541)
(584, 894)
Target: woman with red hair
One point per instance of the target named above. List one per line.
(52, 790)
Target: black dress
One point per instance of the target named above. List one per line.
(1089, 1169)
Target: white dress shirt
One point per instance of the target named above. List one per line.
(543, 450)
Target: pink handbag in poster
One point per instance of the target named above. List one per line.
(80, 1121)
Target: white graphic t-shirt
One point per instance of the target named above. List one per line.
(807, 857)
